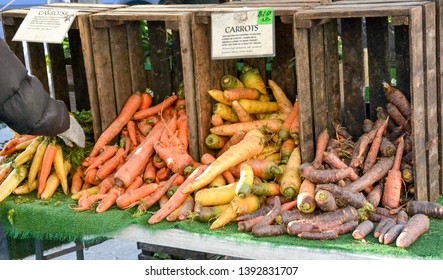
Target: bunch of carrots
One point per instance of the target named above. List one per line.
(33, 163)
(152, 149)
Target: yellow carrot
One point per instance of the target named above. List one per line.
(284, 104)
(89, 191)
(271, 126)
(37, 160)
(230, 81)
(227, 216)
(25, 188)
(219, 96)
(53, 182)
(258, 106)
(225, 111)
(59, 168)
(29, 152)
(13, 180)
(246, 181)
(290, 181)
(215, 196)
(251, 145)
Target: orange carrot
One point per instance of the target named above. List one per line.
(177, 159)
(45, 168)
(262, 168)
(162, 174)
(284, 132)
(106, 153)
(322, 143)
(158, 162)
(286, 149)
(234, 139)
(86, 201)
(5, 171)
(90, 176)
(110, 165)
(178, 198)
(109, 199)
(132, 197)
(127, 112)
(77, 180)
(130, 126)
(182, 131)
(393, 182)
(371, 157)
(150, 200)
(106, 184)
(146, 100)
(153, 110)
(137, 162)
(9, 147)
(251, 145)
(216, 120)
(242, 114)
(149, 173)
(241, 93)
(227, 175)
(294, 130)
(138, 181)
(144, 127)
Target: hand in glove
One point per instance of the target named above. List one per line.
(74, 135)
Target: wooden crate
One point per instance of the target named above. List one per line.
(64, 81)
(208, 72)
(319, 76)
(119, 60)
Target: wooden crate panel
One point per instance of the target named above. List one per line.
(316, 36)
(208, 72)
(120, 61)
(67, 73)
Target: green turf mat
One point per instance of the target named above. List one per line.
(54, 220)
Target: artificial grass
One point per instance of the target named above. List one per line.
(28, 217)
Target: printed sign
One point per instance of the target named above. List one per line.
(43, 25)
(246, 33)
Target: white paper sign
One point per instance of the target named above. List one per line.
(45, 25)
(246, 33)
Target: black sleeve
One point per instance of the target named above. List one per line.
(25, 106)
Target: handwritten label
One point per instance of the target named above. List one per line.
(242, 34)
(45, 25)
(265, 16)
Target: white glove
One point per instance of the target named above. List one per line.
(74, 135)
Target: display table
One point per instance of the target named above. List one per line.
(27, 217)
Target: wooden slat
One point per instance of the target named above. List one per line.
(402, 59)
(282, 72)
(418, 106)
(136, 57)
(430, 87)
(177, 74)
(301, 43)
(161, 75)
(189, 83)
(439, 35)
(37, 61)
(120, 65)
(378, 62)
(200, 34)
(59, 76)
(10, 27)
(86, 39)
(104, 76)
(333, 75)
(353, 76)
(78, 70)
(318, 86)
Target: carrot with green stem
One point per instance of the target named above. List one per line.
(325, 201)
(284, 132)
(251, 78)
(286, 149)
(252, 144)
(177, 159)
(214, 141)
(226, 112)
(12, 181)
(45, 167)
(306, 197)
(354, 199)
(219, 96)
(162, 174)
(393, 182)
(179, 196)
(246, 180)
(230, 82)
(262, 168)
(291, 179)
(156, 109)
(149, 172)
